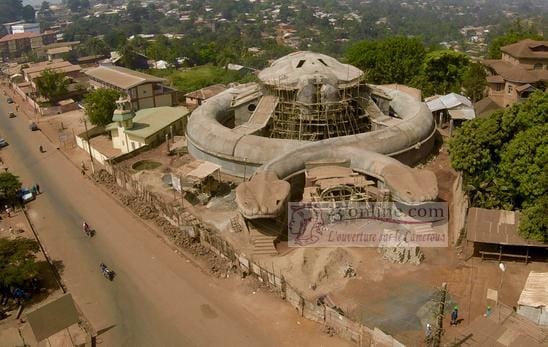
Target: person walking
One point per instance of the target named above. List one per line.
(455, 315)
(38, 188)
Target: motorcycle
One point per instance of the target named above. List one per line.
(107, 272)
(88, 231)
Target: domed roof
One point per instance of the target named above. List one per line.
(288, 71)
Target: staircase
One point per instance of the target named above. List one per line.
(262, 244)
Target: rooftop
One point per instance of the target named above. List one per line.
(121, 77)
(497, 227)
(535, 291)
(19, 36)
(514, 73)
(149, 121)
(527, 49)
(290, 70)
(57, 65)
(59, 50)
(206, 92)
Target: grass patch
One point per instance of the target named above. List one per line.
(202, 76)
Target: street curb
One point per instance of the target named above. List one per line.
(56, 274)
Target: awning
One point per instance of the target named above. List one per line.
(203, 170)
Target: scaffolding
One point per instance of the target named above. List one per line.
(320, 119)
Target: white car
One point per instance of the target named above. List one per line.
(3, 142)
(26, 195)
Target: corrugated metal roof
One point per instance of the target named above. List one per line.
(149, 121)
(448, 101)
(121, 77)
(535, 291)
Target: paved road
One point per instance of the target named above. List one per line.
(157, 298)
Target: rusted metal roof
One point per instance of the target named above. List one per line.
(495, 226)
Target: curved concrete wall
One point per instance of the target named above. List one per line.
(208, 139)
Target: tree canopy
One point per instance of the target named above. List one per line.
(391, 60)
(18, 265)
(504, 160)
(52, 85)
(442, 72)
(100, 104)
(474, 81)
(9, 184)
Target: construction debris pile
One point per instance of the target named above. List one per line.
(215, 264)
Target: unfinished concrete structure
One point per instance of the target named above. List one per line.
(309, 107)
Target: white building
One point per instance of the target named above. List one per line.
(26, 28)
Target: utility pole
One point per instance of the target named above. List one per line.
(89, 145)
(436, 341)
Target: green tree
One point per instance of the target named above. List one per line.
(9, 184)
(442, 72)
(100, 104)
(504, 160)
(52, 85)
(391, 60)
(95, 46)
(18, 265)
(534, 221)
(474, 81)
(10, 10)
(128, 56)
(28, 13)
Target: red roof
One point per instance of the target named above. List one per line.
(18, 36)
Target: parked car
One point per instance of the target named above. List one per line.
(26, 195)
(11, 115)
(9, 100)
(33, 126)
(3, 142)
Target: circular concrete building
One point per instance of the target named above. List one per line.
(305, 106)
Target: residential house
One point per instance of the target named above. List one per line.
(143, 90)
(78, 81)
(450, 110)
(13, 45)
(522, 69)
(197, 97)
(25, 28)
(131, 130)
(533, 300)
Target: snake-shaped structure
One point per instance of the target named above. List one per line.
(243, 149)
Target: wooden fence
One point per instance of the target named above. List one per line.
(341, 325)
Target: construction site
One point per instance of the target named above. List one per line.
(312, 132)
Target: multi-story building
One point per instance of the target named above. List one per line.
(13, 45)
(143, 90)
(522, 69)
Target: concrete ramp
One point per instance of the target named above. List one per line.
(260, 116)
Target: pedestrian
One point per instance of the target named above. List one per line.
(455, 315)
(34, 191)
(428, 332)
(488, 311)
(38, 188)
(83, 172)
(8, 211)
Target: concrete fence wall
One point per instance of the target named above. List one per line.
(329, 317)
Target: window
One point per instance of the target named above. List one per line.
(537, 66)
(301, 63)
(133, 145)
(510, 89)
(499, 87)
